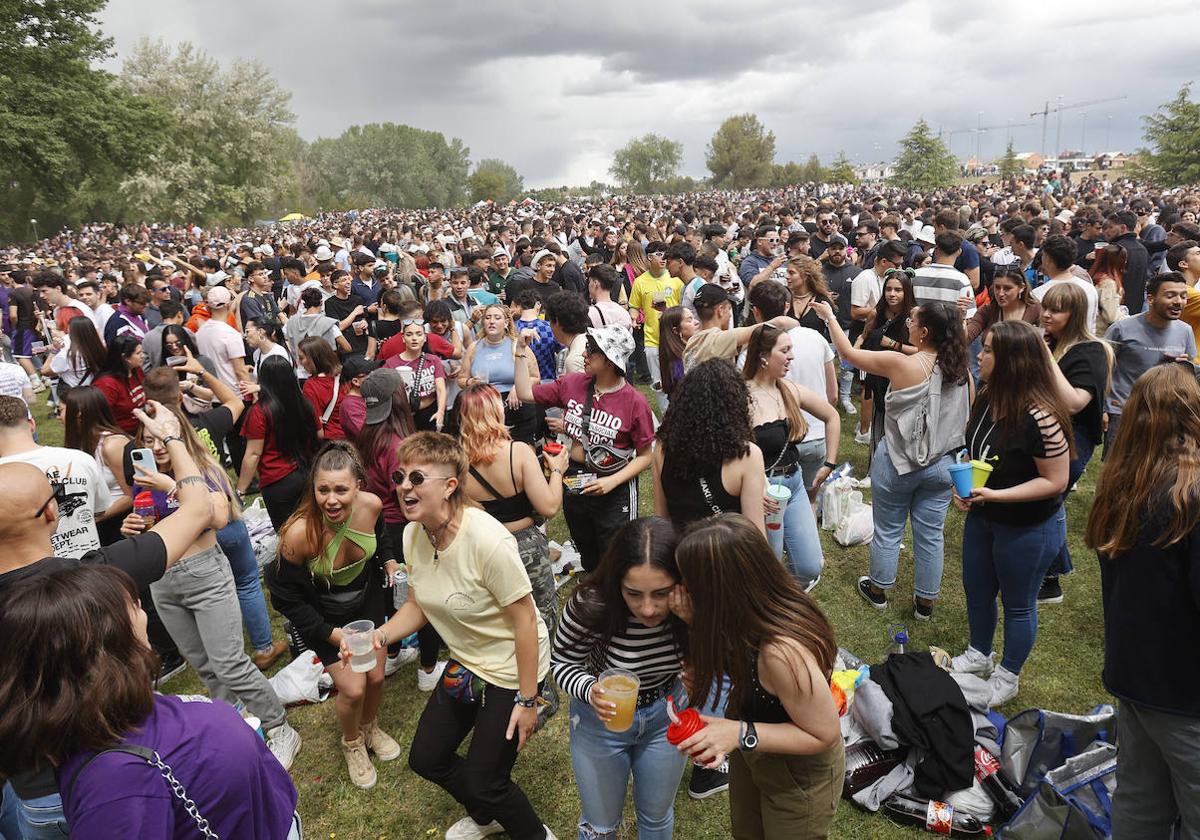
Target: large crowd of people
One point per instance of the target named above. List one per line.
(413, 394)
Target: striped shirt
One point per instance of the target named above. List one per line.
(648, 652)
(936, 283)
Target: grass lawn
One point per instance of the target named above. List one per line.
(1062, 674)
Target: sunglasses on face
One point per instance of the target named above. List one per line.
(659, 254)
(416, 478)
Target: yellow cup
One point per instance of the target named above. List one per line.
(981, 471)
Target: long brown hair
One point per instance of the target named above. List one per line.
(79, 679)
(1154, 466)
(762, 343)
(88, 416)
(1069, 298)
(670, 346)
(814, 277)
(1110, 262)
(636, 256)
(743, 599)
(1022, 379)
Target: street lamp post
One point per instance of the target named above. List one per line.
(35, 230)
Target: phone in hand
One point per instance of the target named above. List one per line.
(176, 361)
(143, 458)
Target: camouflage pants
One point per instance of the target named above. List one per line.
(534, 549)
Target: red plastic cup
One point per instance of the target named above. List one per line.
(684, 724)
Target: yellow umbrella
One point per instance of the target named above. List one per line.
(293, 217)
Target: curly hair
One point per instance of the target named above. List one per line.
(708, 420)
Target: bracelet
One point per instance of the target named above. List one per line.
(831, 466)
(519, 355)
(556, 471)
(383, 642)
(524, 702)
(170, 438)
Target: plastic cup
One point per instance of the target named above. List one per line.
(620, 687)
(360, 638)
(981, 471)
(961, 475)
(781, 495)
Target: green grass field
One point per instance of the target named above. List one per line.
(1063, 674)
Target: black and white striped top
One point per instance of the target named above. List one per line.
(648, 652)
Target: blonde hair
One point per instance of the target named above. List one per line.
(209, 467)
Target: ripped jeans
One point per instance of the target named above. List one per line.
(603, 761)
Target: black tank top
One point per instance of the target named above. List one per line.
(505, 508)
(779, 453)
(759, 704)
(697, 498)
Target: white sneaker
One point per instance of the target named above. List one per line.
(1004, 685)
(392, 664)
(428, 682)
(862, 437)
(848, 407)
(549, 833)
(284, 742)
(972, 661)
(468, 829)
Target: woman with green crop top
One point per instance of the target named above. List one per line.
(331, 569)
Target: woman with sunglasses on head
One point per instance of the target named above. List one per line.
(466, 578)
(492, 360)
(925, 412)
(1011, 301)
(333, 562)
(1020, 425)
(323, 387)
(611, 431)
(424, 376)
(887, 329)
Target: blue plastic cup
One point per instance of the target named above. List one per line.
(960, 474)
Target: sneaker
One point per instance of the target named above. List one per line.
(922, 612)
(379, 742)
(362, 771)
(403, 656)
(848, 407)
(38, 385)
(706, 782)
(972, 661)
(264, 659)
(428, 682)
(284, 742)
(171, 665)
(812, 584)
(862, 437)
(1050, 591)
(1004, 685)
(549, 834)
(468, 829)
(878, 600)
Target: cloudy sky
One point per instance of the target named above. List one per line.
(555, 88)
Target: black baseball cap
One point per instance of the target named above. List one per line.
(710, 295)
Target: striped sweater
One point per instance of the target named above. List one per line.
(648, 652)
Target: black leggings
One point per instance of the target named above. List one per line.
(281, 497)
(428, 640)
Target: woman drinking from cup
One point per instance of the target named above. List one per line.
(330, 573)
(492, 360)
(466, 578)
(620, 618)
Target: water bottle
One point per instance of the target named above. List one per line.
(143, 506)
(898, 634)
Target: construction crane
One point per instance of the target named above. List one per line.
(1058, 109)
(978, 131)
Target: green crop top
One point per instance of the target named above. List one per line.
(322, 565)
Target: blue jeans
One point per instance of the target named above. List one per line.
(1084, 447)
(1009, 560)
(603, 760)
(10, 824)
(799, 531)
(812, 458)
(924, 495)
(234, 540)
(41, 818)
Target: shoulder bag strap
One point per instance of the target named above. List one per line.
(586, 421)
(328, 412)
(600, 312)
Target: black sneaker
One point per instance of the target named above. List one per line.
(171, 665)
(922, 612)
(706, 783)
(1050, 592)
(876, 600)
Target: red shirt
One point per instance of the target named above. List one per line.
(124, 394)
(437, 345)
(319, 391)
(273, 465)
(621, 419)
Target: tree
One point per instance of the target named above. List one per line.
(741, 153)
(1009, 166)
(924, 162)
(67, 131)
(495, 180)
(645, 162)
(226, 155)
(841, 171)
(1174, 131)
(812, 171)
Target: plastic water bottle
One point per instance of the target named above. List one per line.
(898, 633)
(143, 506)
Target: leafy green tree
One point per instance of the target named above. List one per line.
(741, 153)
(1009, 166)
(67, 132)
(644, 163)
(813, 171)
(495, 180)
(841, 171)
(1174, 132)
(924, 162)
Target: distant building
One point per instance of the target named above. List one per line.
(875, 171)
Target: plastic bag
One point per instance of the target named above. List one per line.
(262, 535)
(302, 681)
(856, 525)
(831, 496)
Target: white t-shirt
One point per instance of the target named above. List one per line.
(866, 289)
(84, 495)
(810, 354)
(1089, 290)
(221, 343)
(276, 350)
(14, 381)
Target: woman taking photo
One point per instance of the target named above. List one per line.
(1143, 524)
(79, 359)
(611, 431)
(323, 387)
(466, 578)
(1011, 301)
(492, 360)
(806, 282)
(675, 327)
(90, 428)
(331, 571)
(752, 626)
(281, 436)
(95, 716)
(925, 413)
(620, 617)
(120, 380)
(777, 407)
(424, 377)
(887, 329)
(1020, 425)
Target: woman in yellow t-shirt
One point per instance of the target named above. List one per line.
(466, 579)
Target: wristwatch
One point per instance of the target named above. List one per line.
(523, 701)
(830, 465)
(749, 738)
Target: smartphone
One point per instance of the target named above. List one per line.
(37, 347)
(143, 458)
(576, 483)
(176, 361)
